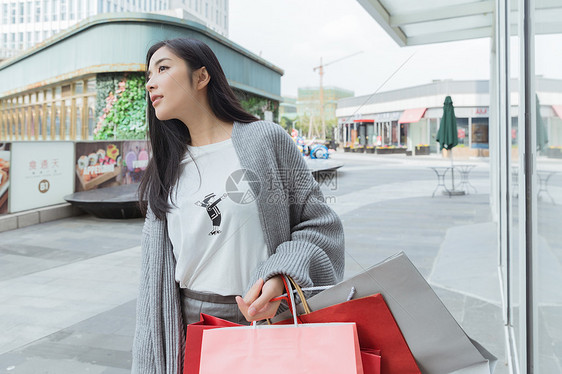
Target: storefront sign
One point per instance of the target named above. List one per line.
(480, 112)
(41, 174)
(387, 117)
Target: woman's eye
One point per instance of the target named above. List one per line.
(162, 68)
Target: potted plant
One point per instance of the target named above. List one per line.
(370, 149)
(347, 147)
(422, 149)
(359, 148)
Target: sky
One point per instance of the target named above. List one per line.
(295, 34)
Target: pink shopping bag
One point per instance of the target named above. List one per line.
(324, 348)
(280, 349)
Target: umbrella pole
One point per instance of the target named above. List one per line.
(452, 170)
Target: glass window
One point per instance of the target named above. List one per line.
(547, 245)
(37, 11)
(67, 119)
(79, 120)
(79, 88)
(71, 9)
(21, 12)
(91, 85)
(28, 12)
(479, 133)
(13, 13)
(45, 10)
(54, 10)
(63, 10)
(4, 14)
(48, 121)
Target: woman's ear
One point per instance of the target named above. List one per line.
(202, 78)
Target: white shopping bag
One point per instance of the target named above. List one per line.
(438, 343)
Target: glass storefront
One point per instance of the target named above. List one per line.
(531, 255)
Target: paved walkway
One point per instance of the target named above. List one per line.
(68, 287)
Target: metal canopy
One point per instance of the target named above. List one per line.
(414, 22)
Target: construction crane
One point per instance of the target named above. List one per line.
(320, 69)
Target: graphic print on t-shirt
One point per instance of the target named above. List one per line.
(210, 203)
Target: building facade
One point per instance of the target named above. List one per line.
(85, 71)
(25, 23)
(410, 117)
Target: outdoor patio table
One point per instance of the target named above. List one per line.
(464, 171)
(441, 172)
(543, 178)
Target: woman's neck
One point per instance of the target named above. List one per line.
(209, 131)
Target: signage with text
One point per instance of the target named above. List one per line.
(41, 174)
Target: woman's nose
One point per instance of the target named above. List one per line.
(150, 85)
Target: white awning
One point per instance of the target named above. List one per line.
(414, 22)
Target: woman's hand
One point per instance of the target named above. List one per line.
(256, 305)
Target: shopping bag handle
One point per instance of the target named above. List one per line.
(290, 297)
(298, 289)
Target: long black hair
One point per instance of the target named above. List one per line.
(169, 139)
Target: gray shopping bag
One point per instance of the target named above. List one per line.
(438, 343)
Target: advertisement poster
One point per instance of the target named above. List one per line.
(41, 174)
(135, 160)
(109, 164)
(4, 176)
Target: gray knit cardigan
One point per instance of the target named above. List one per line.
(304, 238)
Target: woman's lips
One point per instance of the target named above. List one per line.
(157, 100)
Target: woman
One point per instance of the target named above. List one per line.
(231, 208)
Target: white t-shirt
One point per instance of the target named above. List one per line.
(214, 226)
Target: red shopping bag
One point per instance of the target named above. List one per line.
(376, 329)
(193, 338)
(371, 359)
(327, 348)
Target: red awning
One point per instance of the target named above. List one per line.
(558, 110)
(412, 115)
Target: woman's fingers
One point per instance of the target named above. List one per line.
(249, 298)
(254, 292)
(268, 311)
(256, 307)
(271, 289)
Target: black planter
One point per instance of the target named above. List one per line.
(347, 149)
(554, 153)
(423, 150)
(369, 150)
(384, 151)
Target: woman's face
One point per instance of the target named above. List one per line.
(170, 89)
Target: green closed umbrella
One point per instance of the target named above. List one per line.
(542, 135)
(447, 136)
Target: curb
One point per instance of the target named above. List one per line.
(19, 220)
